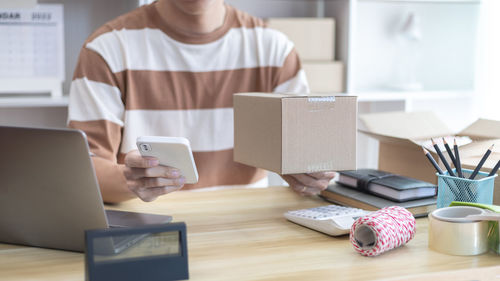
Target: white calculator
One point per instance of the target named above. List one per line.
(331, 219)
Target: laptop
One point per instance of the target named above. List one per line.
(49, 194)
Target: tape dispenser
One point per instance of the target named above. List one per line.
(465, 229)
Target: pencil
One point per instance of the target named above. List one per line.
(441, 156)
(433, 162)
(458, 165)
(438, 169)
(450, 153)
(478, 167)
(495, 169)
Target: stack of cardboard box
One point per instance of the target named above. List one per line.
(401, 135)
(314, 40)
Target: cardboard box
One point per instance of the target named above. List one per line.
(325, 76)
(314, 38)
(470, 162)
(401, 136)
(290, 134)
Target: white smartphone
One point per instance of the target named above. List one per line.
(170, 151)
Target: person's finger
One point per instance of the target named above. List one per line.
(127, 172)
(143, 183)
(294, 184)
(150, 194)
(323, 175)
(135, 160)
(153, 172)
(309, 181)
(312, 191)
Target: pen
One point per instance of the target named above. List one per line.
(495, 169)
(458, 165)
(478, 167)
(441, 156)
(433, 162)
(450, 153)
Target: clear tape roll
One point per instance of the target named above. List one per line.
(450, 233)
(383, 230)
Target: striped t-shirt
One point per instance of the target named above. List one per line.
(138, 77)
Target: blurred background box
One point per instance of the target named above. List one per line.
(289, 134)
(324, 76)
(314, 38)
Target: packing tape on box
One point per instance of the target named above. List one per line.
(383, 230)
(450, 233)
(321, 99)
(320, 167)
(320, 103)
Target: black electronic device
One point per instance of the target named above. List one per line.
(156, 252)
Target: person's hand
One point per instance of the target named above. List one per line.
(147, 179)
(309, 184)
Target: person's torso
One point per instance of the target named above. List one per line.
(171, 87)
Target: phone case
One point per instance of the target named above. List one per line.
(170, 151)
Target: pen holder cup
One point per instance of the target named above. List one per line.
(478, 190)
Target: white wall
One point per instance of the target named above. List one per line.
(488, 76)
(444, 57)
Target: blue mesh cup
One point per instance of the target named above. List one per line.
(478, 190)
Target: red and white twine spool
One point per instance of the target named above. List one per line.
(383, 230)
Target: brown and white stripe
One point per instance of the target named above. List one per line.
(137, 77)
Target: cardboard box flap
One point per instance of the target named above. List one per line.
(478, 148)
(462, 141)
(410, 125)
(472, 161)
(483, 129)
(389, 139)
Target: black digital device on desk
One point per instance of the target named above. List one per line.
(159, 252)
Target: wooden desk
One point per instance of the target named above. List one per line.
(241, 234)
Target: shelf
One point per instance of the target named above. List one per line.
(16, 102)
(384, 96)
